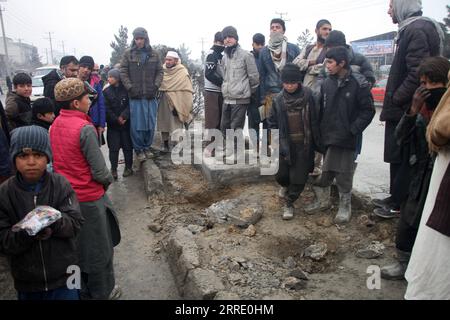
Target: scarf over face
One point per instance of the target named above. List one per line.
(278, 49)
(299, 102)
(177, 86)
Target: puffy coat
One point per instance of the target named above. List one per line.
(117, 104)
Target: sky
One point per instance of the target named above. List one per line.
(87, 27)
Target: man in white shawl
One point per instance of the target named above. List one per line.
(176, 98)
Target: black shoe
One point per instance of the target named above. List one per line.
(382, 203)
(387, 213)
(114, 174)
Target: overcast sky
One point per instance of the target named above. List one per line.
(88, 26)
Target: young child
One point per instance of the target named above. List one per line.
(43, 113)
(77, 156)
(117, 118)
(347, 109)
(38, 264)
(18, 103)
(293, 114)
(418, 163)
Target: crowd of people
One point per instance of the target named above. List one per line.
(318, 98)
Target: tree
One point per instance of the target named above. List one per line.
(35, 59)
(305, 39)
(119, 46)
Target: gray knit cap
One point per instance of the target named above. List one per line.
(140, 33)
(114, 73)
(30, 137)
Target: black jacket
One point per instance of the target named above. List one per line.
(416, 42)
(359, 61)
(211, 71)
(50, 82)
(278, 120)
(141, 72)
(346, 110)
(117, 104)
(39, 265)
(5, 163)
(18, 111)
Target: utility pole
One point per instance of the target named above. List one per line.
(5, 44)
(46, 54)
(51, 45)
(202, 40)
(63, 47)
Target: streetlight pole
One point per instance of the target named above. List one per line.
(5, 43)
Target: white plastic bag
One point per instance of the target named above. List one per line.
(37, 220)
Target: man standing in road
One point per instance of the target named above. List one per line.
(142, 74)
(418, 38)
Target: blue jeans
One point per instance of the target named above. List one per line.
(143, 123)
(57, 294)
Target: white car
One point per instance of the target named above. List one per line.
(38, 88)
(43, 71)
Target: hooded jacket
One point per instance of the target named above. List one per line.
(141, 71)
(418, 39)
(39, 265)
(18, 111)
(50, 81)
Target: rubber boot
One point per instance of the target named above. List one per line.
(397, 270)
(345, 208)
(321, 202)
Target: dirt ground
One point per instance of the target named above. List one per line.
(256, 267)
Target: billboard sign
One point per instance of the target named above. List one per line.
(374, 48)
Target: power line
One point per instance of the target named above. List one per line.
(51, 45)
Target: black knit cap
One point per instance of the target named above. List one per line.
(42, 106)
(336, 39)
(259, 39)
(291, 74)
(30, 138)
(87, 61)
(230, 32)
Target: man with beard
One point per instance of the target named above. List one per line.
(311, 63)
(311, 60)
(418, 38)
(68, 68)
(176, 100)
(417, 161)
(142, 73)
(241, 79)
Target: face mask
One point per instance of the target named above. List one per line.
(435, 97)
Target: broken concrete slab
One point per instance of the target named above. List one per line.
(236, 212)
(202, 285)
(372, 251)
(316, 252)
(247, 216)
(152, 178)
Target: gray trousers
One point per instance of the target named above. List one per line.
(233, 117)
(344, 181)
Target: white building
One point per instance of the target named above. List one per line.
(19, 53)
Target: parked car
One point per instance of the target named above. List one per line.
(379, 91)
(38, 88)
(43, 71)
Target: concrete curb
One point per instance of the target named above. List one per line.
(193, 282)
(152, 178)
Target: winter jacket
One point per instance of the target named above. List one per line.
(77, 155)
(270, 77)
(347, 110)
(97, 111)
(213, 78)
(5, 163)
(39, 265)
(141, 72)
(279, 120)
(416, 167)
(416, 42)
(241, 77)
(18, 111)
(361, 64)
(117, 104)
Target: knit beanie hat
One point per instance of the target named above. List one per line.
(30, 138)
(336, 39)
(291, 74)
(230, 32)
(88, 62)
(69, 89)
(140, 33)
(114, 73)
(42, 106)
